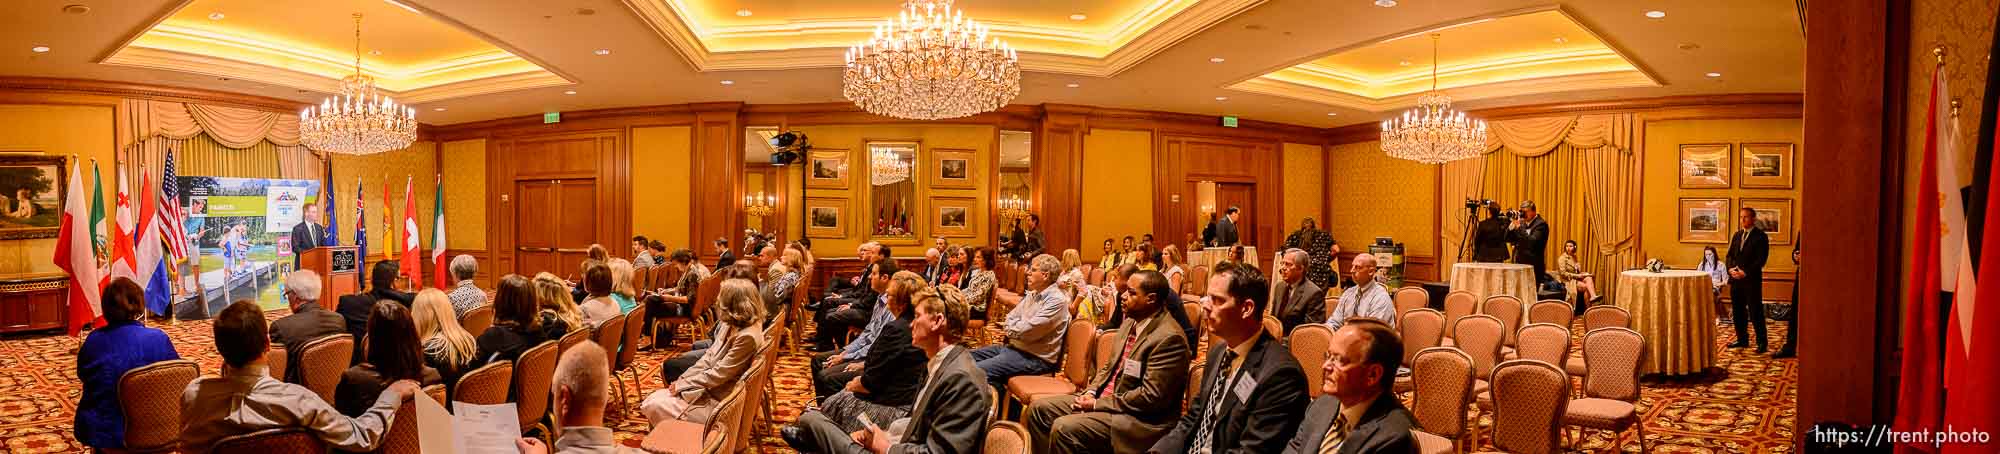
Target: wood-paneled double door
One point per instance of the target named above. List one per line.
(555, 223)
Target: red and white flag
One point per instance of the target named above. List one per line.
(124, 261)
(411, 236)
(1974, 341)
(76, 254)
(437, 239)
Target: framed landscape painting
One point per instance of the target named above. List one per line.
(1704, 166)
(953, 168)
(827, 169)
(955, 217)
(1774, 216)
(1767, 165)
(1704, 221)
(826, 217)
(31, 196)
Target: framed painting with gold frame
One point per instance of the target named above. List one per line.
(1705, 166)
(1774, 216)
(826, 168)
(955, 217)
(1704, 220)
(953, 169)
(827, 217)
(1766, 165)
(32, 193)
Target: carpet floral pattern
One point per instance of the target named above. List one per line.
(1747, 404)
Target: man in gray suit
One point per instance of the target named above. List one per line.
(1137, 396)
(1253, 392)
(952, 410)
(1301, 301)
(1225, 229)
(1356, 411)
(308, 322)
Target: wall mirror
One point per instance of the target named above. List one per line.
(892, 191)
(1012, 200)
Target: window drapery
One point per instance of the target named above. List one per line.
(217, 141)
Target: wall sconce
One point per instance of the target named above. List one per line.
(759, 205)
(1013, 207)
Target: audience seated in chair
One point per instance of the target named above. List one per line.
(599, 306)
(1176, 311)
(879, 384)
(622, 290)
(309, 321)
(123, 344)
(516, 324)
(447, 346)
(832, 370)
(466, 295)
(675, 301)
(1253, 393)
(980, 282)
(784, 278)
(581, 387)
(559, 313)
(1368, 298)
(1034, 329)
(1356, 411)
(245, 399)
(1299, 300)
(955, 409)
(1135, 396)
(849, 302)
(355, 308)
(392, 353)
(695, 397)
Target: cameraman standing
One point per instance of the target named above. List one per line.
(1530, 235)
(1489, 239)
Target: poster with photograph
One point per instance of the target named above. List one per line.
(240, 229)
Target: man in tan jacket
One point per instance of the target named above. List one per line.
(1135, 396)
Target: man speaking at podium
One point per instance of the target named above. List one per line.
(307, 235)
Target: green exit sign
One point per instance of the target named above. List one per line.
(552, 117)
(1228, 121)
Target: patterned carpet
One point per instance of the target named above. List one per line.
(1748, 404)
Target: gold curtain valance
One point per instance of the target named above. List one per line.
(230, 126)
(1530, 137)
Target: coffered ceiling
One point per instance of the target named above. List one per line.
(1309, 62)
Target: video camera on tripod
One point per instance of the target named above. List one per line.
(1474, 204)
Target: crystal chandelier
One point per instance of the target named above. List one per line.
(359, 120)
(887, 167)
(931, 63)
(759, 205)
(1431, 132)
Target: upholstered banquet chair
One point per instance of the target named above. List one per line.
(478, 319)
(485, 385)
(1421, 328)
(532, 374)
(1309, 344)
(1550, 311)
(1529, 399)
(1007, 437)
(1457, 305)
(282, 439)
(1601, 316)
(1076, 368)
(1611, 385)
(150, 395)
(1443, 388)
(1508, 310)
(1408, 298)
(323, 361)
(1543, 342)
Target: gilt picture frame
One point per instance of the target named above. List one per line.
(827, 168)
(953, 169)
(827, 217)
(1766, 166)
(1704, 220)
(1705, 166)
(1774, 216)
(32, 192)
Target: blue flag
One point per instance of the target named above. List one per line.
(332, 237)
(360, 234)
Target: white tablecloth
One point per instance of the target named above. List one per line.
(1485, 280)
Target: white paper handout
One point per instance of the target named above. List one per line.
(473, 429)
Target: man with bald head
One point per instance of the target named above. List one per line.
(579, 390)
(1300, 300)
(1368, 298)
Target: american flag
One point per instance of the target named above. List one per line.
(172, 218)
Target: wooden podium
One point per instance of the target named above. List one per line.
(338, 268)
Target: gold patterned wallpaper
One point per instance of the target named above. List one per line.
(464, 193)
(1965, 28)
(85, 131)
(1305, 188)
(1372, 194)
(417, 164)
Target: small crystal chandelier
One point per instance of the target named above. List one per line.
(887, 167)
(359, 120)
(1431, 132)
(759, 205)
(931, 63)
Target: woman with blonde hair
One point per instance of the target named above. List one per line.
(557, 309)
(622, 290)
(1170, 263)
(698, 393)
(447, 346)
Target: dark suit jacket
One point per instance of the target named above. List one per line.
(1747, 250)
(1489, 241)
(1384, 428)
(355, 308)
(1304, 303)
(1264, 421)
(952, 417)
(727, 258)
(1531, 243)
(306, 236)
(1153, 394)
(294, 331)
(1225, 232)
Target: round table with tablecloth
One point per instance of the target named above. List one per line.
(1675, 311)
(1485, 280)
(1211, 256)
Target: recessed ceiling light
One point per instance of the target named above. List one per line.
(1222, 98)
(1714, 74)
(729, 82)
(1385, 3)
(1656, 14)
(1403, 63)
(569, 92)
(743, 13)
(39, 49)
(76, 9)
(1560, 40)
(216, 15)
(1216, 60)
(1689, 46)
(437, 109)
(1073, 85)
(1078, 17)
(601, 52)
(1332, 113)
(375, 52)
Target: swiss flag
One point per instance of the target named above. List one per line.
(412, 266)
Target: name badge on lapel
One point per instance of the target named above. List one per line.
(1132, 368)
(1244, 387)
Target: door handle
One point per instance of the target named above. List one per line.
(571, 251)
(537, 249)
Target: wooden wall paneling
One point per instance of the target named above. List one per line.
(501, 199)
(1058, 180)
(1181, 159)
(718, 174)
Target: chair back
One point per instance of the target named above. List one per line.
(1077, 351)
(401, 437)
(532, 376)
(1529, 399)
(1551, 311)
(628, 348)
(1479, 336)
(1508, 310)
(1199, 319)
(610, 334)
(275, 362)
(1333, 302)
(1442, 379)
(1096, 275)
(705, 297)
(150, 396)
(1421, 328)
(282, 439)
(1108, 345)
(485, 385)
(1198, 285)
(1545, 342)
(1408, 298)
(1605, 316)
(1309, 343)
(1274, 327)
(1006, 437)
(724, 424)
(478, 319)
(641, 278)
(571, 338)
(322, 362)
(1457, 305)
(753, 396)
(1611, 361)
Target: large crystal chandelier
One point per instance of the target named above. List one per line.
(886, 167)
(931, 63)
(1431, 132)
(359, 120)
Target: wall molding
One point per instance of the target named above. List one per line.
(148, 91)
(1752, 105)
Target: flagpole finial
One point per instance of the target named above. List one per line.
(1954, 107)
(1939, 53)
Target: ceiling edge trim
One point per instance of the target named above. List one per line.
(148, 91)
(1554, 84)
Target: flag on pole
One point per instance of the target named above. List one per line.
(411, 237)
(437, 239)
(332, 237)
(1920, 401)
(360, 234)
(76, 254)
(1975, 386)
(388, 223)
(123, 263)
(173, 219)
(100, 233)
(152, 261)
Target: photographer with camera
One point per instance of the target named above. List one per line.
(1530, 235)
(1489, 240)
